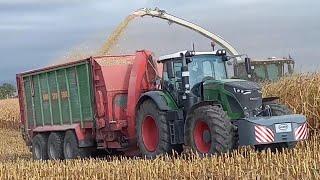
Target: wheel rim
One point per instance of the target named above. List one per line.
(202, 136)
(68, 150)
(150, 133)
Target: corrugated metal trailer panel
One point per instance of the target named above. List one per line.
(58, 96)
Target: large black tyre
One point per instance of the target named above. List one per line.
(71, 149)
(278, 110)
(210, 131)
(39, 147)
(152, 129)
(55, 145)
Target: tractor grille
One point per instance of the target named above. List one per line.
(250, 99)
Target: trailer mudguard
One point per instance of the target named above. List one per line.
(273, 129)
(162, 100)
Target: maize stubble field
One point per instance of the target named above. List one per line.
(300, 92)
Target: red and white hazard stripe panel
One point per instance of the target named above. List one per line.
(264, 134)
(302, 132)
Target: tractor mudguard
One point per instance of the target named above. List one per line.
(204, 103)
(174, 115)
(273, 129)
(160, 98)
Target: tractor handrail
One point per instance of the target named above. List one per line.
(173, 19)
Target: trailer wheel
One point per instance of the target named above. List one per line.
(39, 147)
(210, 131)
(71, 147)
(152, 129)
(278, 110)
(55, 145)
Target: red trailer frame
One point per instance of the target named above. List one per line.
(117, 83)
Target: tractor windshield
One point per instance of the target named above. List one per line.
(205, 67)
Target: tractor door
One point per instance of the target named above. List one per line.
(172, 79)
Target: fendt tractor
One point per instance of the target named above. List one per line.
(265, 70)
(139, 105)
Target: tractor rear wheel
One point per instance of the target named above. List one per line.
(210, 131)
(278, 110)
(152, 129)
(55, 145)
(39, 147)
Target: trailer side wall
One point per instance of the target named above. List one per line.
(59, 96)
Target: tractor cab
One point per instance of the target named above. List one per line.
(270, 69)
(201, 65)
(186, 73)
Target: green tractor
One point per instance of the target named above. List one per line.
(265, 70)
(199, 107)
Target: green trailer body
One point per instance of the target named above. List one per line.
(59, 96)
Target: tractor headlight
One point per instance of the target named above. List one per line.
(236, 90)
(190, 53)
(221, 52)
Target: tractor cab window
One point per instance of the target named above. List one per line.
(174, 82)
(273, 72)
(259, 72)
(205, 67)
(288, 68)
(285, 69)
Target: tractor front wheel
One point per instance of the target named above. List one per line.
(210, 131)
(152, 129)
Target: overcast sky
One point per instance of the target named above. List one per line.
(38, 33)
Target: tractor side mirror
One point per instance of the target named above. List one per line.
(189, 60)
(170, 70)
(247, 62)
(190, 53)
(224, 58)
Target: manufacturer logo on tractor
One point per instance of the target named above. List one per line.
(254, 98)
(283, 126)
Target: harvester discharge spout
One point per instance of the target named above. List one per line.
(173, 19)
